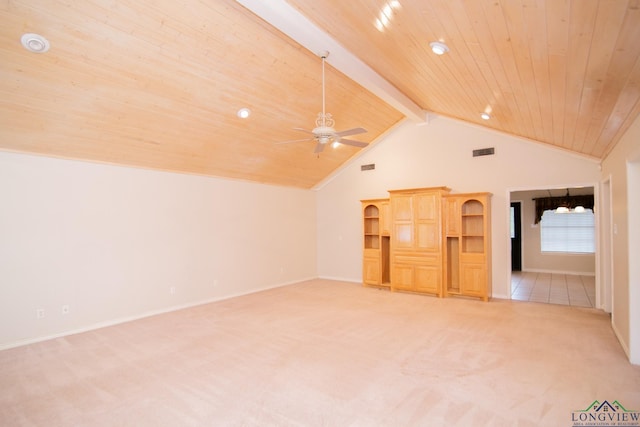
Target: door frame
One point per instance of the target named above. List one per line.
(597, 203)
(604, 256)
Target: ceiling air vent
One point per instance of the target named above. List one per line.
(484, 152)
(368, 167)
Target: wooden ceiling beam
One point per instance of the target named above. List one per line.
(291, 22)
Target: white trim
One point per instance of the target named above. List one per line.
(621, 341)
(633, 248)
(340, 279)
(501, 296)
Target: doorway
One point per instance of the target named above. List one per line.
(516, 236)
(540, 270)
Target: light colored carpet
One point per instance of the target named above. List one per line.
(325, 353)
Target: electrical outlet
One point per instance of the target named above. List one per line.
(40, 313)
(65, 309)
(215, 282)
(172, 290)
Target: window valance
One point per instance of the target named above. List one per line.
(550, 203)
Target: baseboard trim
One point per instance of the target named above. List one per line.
(572, 273)
(126, 319)
(339, 279)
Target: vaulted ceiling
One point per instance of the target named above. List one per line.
(159, 84)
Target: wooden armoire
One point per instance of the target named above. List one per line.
(429, 241)
(416, 240)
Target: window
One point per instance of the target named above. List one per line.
(513, 222)
(572, 232)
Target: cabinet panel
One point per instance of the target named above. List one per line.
(402, 277)
(473, 279)
(415, 258)
(371, 271)
(403, 236)
(402, 208)
(385, 218)
(427, 207)
(451, 216)
(428, 236)
(428, 278)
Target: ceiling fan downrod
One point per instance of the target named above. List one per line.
(324, 120)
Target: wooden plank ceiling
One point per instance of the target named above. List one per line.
(158, 84)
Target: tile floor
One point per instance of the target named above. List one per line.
(565, 289)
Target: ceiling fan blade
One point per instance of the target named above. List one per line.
(353, 131)
(319, 148)
(353, 143)
(294, 140)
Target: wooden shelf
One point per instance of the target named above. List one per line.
(375, 266)
(468, 260)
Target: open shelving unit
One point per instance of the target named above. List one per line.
(467, 248)
(376, 243)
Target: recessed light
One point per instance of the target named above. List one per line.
(485, 116)
(35, 43)
(243, 113)
(439, 48)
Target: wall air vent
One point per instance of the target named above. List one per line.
(484, 152)
(368, 167)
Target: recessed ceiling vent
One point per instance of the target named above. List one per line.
(368, 167)
(484, 152)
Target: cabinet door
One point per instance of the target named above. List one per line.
(427, 222)
(385, 218)
(402, 211)
(427, 207)
(371, 271)
(402, 276)
(473, 279)
(451, 216)
(428, 237)
(428, 279)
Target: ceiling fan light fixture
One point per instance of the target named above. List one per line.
(439, 48)
(35, 43)
(324, 133)
(244, 113)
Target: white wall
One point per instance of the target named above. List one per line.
(437, 154)
(110, 242)
(622, 167)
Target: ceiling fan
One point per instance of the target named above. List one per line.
(324, 132)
